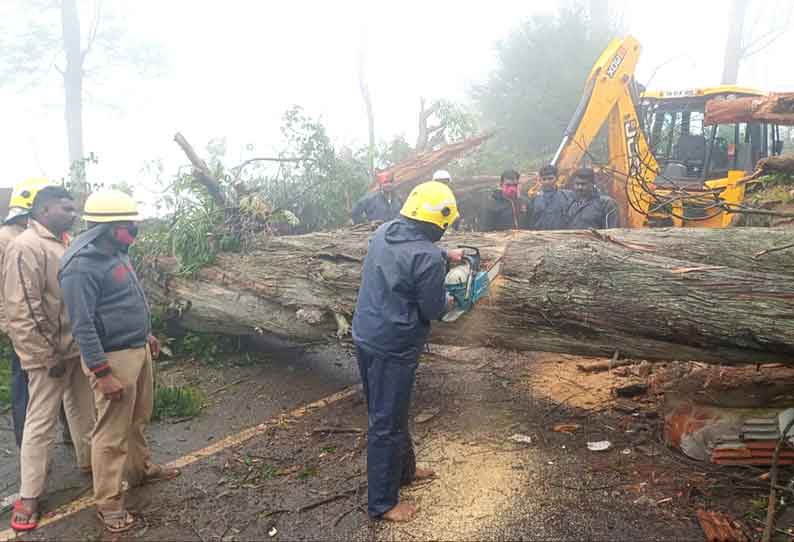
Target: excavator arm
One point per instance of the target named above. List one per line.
(609, 97)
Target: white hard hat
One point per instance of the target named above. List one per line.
(442, 175)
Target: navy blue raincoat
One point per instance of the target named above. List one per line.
(376, 206)
(402, 291)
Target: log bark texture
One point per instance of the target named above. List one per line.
(685, 294)
(774, 109)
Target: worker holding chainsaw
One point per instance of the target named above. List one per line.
(381, 205)
(505, 208)
(402, 291)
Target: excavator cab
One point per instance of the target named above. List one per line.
(694, 156)
(670, 164)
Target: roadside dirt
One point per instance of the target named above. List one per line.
(305, 479)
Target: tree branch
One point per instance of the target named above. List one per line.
(94, 29)
(239, 169)
(768, 38)
(201, 171)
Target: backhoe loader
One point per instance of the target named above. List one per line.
(666, 167)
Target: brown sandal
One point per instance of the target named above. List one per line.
(116, 521)
(159, 473)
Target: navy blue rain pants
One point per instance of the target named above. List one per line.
(391, 461)
(19, 397)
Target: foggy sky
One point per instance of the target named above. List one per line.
(233, 67)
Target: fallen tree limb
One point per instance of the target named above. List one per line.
(201, 170)
(573, 292)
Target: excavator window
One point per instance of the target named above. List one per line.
(689, 152)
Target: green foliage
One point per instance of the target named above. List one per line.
(204, 346)
(177, 402)
(5, 370)
(393, 152)
(267, 471)
(307, 472)
(458, 122)
(769, 192)
(320, 188)
(532, 94)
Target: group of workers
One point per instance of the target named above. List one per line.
(80, 329)
(549, 208)
(403, 290)
(80, 325)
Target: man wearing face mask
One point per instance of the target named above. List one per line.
(504, 208)
(111, 324)
(547, 207)
(380, 205)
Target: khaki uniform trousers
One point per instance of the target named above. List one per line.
(118, 446)
(46, 393)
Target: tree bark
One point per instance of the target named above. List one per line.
(775, 108)
(73, 89)
(674, 294)
(733, 47)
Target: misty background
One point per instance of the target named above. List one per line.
(227, 71)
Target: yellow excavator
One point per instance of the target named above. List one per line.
(666, 167)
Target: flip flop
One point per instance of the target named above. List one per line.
(31, 516)
(116, 521)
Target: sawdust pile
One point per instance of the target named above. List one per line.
(474, 485)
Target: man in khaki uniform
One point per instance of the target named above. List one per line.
(111, 323)
(15, 223)
(39, 327)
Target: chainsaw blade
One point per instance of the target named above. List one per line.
(453, 315)
(494, 271)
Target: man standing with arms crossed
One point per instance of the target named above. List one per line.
(111, 324)
(39, 330)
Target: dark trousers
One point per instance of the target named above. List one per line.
(19, 397)
(391, 461)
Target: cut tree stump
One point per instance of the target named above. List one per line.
(679, 294)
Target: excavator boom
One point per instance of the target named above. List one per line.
(609, 96)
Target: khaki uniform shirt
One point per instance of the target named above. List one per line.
(38, 323)
(7, 233)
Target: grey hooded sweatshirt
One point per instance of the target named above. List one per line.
(106, 304)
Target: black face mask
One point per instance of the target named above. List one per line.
(431, 231)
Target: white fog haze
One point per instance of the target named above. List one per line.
(230, 69)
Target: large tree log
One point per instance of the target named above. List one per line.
(670, 294)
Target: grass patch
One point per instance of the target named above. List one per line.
(268, 472)
(5, 371)
(307, 473)
(177, 402)
(5, 383)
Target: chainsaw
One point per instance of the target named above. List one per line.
(466, 284)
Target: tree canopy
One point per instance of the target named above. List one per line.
(541, 67)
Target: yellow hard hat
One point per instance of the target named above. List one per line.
(23, 194)
(432, 202)
(110, 206)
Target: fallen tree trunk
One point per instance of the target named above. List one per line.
(774, 109)
(648, 294)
